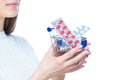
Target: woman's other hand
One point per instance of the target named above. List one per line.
(52, 66)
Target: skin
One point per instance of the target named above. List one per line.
(53, 65)
(60, 65)
(7, 11)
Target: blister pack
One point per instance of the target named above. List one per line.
(64, 37)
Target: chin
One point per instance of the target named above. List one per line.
(11, 15)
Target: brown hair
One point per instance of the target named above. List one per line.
(9, 25)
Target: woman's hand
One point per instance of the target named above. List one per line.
(52, 66)
(59, 77)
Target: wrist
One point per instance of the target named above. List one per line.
(39, 75)
(59, 77)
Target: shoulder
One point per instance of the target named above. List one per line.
(17, 38)
(24, 44)
(20, 41)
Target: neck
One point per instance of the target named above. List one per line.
(1, 24)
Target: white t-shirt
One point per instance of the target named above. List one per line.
(17, 58)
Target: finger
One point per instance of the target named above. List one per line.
(77, 58)
(88, 43)
(77, 53)
(70, 53)
(81, 62)
(58, 54)
(76, 67)
(85, 62)
(86, 48)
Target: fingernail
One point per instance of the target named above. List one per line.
(87, 54)
(85, 62)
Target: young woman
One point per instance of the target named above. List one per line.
(17, 58)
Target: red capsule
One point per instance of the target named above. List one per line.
(60, 22)
(76, 41)
(65, 37)
(74, 46)
(73, 36)
(68, 32)
(61, 32)
(70, 41)
(64, 27)
(58, 26)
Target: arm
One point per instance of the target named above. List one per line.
(43, 77)
(52, 66)
(38, 75)
(59, 77)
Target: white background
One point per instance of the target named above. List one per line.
(102, 16)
